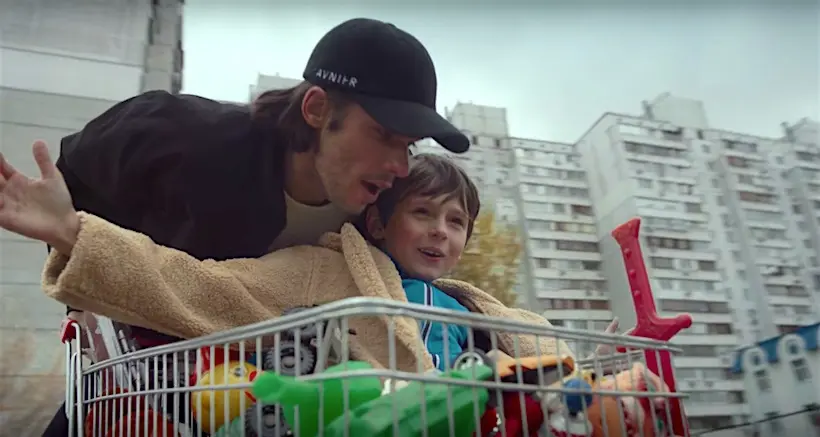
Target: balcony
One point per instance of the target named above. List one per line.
(687, 233)
(699, 409)
(562, 235)
(684, 339)
(555, 198)
(671, 140)
(583, 275)
(766, 224)
(743, 154)
(565, 254)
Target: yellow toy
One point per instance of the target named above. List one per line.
(209, 405)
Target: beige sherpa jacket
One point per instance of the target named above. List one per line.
(125, 276)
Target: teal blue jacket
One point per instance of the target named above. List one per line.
(433, 333)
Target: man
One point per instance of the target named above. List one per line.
(222, 181)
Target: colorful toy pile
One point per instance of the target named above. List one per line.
(372, 411)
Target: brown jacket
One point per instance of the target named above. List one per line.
(125, 276)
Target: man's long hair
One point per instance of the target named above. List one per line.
(282, 110)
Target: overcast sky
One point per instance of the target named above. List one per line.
(556, 68)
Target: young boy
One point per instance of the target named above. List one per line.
(423, 223)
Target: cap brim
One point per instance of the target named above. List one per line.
(414, 120)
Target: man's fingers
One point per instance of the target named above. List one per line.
(613, 326)
(6, 170)
(43, 159)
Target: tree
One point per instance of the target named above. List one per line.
(490, 260)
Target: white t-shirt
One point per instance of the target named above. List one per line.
(306, 223)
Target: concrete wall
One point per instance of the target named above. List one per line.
(31, 357)
(62, 64)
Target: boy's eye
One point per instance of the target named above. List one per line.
(457, 220)
(421, 211)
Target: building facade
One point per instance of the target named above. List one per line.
(265, 83)
(63, 63)
(729, 231)
(782, 380)
(639, 167)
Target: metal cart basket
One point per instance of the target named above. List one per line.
(299, 375)
(214, 385)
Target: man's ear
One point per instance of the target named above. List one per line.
(315, 107)
(374, 224)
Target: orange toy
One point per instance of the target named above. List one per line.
(604, 411)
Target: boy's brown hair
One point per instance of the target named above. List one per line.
(432, 176)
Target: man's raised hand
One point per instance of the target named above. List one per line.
(38, 208)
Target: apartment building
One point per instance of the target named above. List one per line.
(756, 207)
(63, 63)
(656, 170)
(729, 230)
(266, 82)
(562, 256)
(782, 380)
(540, 187)
(801, 172)
(490, 161)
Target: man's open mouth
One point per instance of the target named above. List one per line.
(371, 188)
(376, 187)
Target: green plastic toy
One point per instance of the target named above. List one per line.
(234, 429)
(290, 393)
(371, 414)
(376, 418)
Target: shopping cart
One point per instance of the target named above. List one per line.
(298, 375)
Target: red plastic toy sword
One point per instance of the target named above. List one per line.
(649, 323)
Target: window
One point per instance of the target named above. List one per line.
(801, 369)
(763, 382)
(747, 196)
(719, 328)
(546, 225)
(653, 150)
(575, 304)
(591, 265)
(662, 263)
(631, 129)
(774, 422)
(735, 161)
(699, 351)
(694, 306)
(576, 246)
(745, 179)
(669, 243)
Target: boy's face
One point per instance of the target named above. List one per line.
(425, 235)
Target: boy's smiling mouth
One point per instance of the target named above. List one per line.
(431, 252)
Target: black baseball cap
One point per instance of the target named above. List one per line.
(389, 73)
